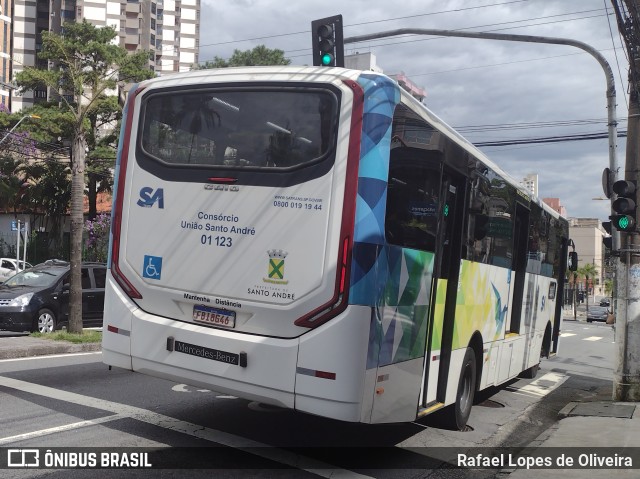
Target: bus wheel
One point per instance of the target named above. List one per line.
(532, 372)
(460, 411)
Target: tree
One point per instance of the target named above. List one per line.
(260, 55)
(49, 193)
(587, 271)
(86, 66)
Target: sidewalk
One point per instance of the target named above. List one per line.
(601, 428)
(12, 347)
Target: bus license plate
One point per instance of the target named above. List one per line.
(214, 316)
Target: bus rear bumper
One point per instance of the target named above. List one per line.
(316, 372)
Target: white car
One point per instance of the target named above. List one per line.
(9, 267)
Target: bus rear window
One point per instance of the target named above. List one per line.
(239, 128)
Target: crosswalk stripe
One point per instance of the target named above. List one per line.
(593, 338)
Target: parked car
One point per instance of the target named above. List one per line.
(37, 299)
(605, 302)
(597, 313)
(9, 267)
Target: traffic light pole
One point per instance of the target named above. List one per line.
(626, 385)
(627, 374)
(612, 122)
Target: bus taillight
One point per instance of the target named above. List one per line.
(340, 299)
(121, 167)
(343, 266)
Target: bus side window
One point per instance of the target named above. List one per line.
(490, 223)
(412, 199)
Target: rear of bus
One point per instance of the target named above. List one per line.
(231, 238)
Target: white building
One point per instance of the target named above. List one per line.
(587, 234)
(530, 182)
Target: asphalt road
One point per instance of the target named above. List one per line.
(76, 401)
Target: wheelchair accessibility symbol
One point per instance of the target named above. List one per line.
(152, 267)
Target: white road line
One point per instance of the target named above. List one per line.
(567, 335)
(543, 385)
(54, 430)
(230, 440)
(593, 338)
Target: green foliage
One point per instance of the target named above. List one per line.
(260, 55)
(85, 66)
(587, 271)
(608, 287)
(89, 336)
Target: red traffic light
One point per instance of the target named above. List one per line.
(624, 188)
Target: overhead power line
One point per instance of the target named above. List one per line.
(549, 139)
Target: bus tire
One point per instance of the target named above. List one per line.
(532, 372)
(459, 411)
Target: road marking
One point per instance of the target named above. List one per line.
(183, 388)
(50, 356)
(220, 437)
(593, 338)
(567, 335)
(54, 430)
(541, 386)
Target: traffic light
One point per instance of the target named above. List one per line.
(327, 42)
(624, 205)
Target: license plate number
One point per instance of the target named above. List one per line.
(214, 316)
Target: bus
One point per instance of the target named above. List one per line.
(316, 239)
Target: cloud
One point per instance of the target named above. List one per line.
(470, 82)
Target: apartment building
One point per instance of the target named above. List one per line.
(5, 54)
(168, 29)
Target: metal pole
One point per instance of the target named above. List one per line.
(18, 249)
(26, 235)
(16, 126)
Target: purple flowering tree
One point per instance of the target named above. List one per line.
(96, 243)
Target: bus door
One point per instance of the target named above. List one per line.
(445, 285)
(520, 248)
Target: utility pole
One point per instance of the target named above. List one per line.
(626, 383)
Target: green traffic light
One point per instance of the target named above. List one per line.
(327, 59)
(623, 222)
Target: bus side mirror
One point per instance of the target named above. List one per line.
(573, 261)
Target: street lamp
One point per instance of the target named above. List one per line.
(16, 126)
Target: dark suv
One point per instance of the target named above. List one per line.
(37, 299)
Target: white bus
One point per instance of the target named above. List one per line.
(317, 239)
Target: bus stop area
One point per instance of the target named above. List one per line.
(601, 427)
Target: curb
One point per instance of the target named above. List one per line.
(45, 347)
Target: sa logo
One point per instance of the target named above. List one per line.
(148, 197)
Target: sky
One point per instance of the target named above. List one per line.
(488, 90)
